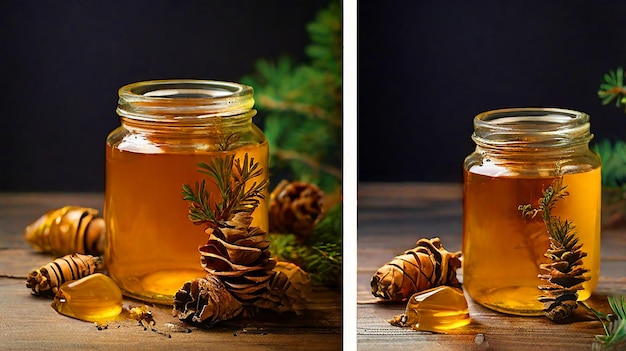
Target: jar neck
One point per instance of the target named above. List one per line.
(532, 132)
(216, 126)
(186, 106)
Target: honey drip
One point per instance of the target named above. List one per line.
(503, 251)
(93, 298)
(152, 246)
(438, 310)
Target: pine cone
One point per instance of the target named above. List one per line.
(205, 301)
(426, 266)
(295, 208)
(238, 255)
(565, 274)
(289, 289)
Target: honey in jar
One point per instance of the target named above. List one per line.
(519, 154)
(167, 128)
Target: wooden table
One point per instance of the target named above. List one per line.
(29, 323)
(392, 217)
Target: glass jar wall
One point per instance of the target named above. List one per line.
(167, 128)
(519, 154)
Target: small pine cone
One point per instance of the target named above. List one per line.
(295, 208)
(426, 266)
(47, 280)
(205, 301)
(289, 289)
(565, 276)
(239, 255)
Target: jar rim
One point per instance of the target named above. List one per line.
(183, 100)
(531, 126)
(507, 117)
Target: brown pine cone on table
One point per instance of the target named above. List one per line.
(295, 208)
(205, 301)
(426, 266)
(289, 289)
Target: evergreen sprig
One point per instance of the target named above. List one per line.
(225, 143)
(565, 272)
(326, 262)
(614, 325)
(322, 255)
(613, 155)
(302, 105)
(199, 203)
(613, 88)
(231, 176)
(613, 158)
(562, 232)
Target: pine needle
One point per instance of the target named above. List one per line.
(302, 104)
(613, 89)
(614, 325)
(232, 177)
(322, 256)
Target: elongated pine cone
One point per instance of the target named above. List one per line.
(289, 289)
(239, 256)
(205, 301)
(68, 230)
(565, 276)
(426, 266)
(46, 280)
(295, 208)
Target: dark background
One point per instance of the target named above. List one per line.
(62, 62)
(426, 68)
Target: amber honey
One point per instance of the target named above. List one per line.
(519, 154)
(503, 251)
(168, 127)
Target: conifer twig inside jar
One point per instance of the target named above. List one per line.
(565, 274)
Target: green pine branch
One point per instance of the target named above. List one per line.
(561, 232)
(613, 89)
(613, 158)
(614, 325)
(232, 178)
(613, 154)
(321, 256)
(199, 203)
(302, 105)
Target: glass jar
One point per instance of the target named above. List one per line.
(167, 128)
(519, 153)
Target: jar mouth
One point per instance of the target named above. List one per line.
(183, 100)
(531, 127)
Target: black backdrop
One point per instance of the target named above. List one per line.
(62, 62)
(425, 68)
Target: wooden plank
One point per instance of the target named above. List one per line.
(29, 322)
(392, 217)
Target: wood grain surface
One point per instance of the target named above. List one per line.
(392, 217)
(28, 322)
